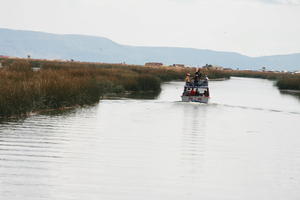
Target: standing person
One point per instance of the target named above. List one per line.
(198, 72)
(187, 82)
(197, 77)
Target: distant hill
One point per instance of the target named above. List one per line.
(98, 49)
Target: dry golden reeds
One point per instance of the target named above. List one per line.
(60, 84)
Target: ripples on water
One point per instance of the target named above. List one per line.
(244, 144)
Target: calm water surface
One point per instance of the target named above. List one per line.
(245, 144)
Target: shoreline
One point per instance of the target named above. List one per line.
(114, 96)
(56, 85)
(219, 79)
(109, 96)
(24, 91)
(291, 91)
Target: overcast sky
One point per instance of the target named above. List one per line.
(250, 27)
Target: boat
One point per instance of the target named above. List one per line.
(196, 92)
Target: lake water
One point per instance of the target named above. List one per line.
(244, 144)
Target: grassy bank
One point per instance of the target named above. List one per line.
(59, 84)
(289, 83)
(284, 81)
(66, 84)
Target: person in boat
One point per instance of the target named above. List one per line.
(188, 79)
(206, 93)
(193, 92)
(197, 77)
(187, 82)
(205, 82)
(198, 93)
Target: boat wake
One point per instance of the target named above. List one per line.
(255, 108)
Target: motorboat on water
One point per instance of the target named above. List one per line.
(196, 92)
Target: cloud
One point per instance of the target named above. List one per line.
(279, 2)
(287, 2)
(184, 1)
(252, 27)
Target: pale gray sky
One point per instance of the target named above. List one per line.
(250, 27)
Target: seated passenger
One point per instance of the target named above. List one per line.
(206, 93)
(188, 79)
(205, 82)
(193, 92)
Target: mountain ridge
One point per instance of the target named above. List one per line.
(21, 43)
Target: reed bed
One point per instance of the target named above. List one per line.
(256, 74)
(289, 83)
(57, 84)
(284, 81)
(66, 84)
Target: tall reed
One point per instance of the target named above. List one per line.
(63, 84)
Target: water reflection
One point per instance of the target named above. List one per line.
(37, 153)
(193, 131)
(242, 145)
(295, 94)
(145, 95)
(135, 95)
(25, 159)
(193, 147)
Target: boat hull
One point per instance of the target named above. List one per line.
(199, 99)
